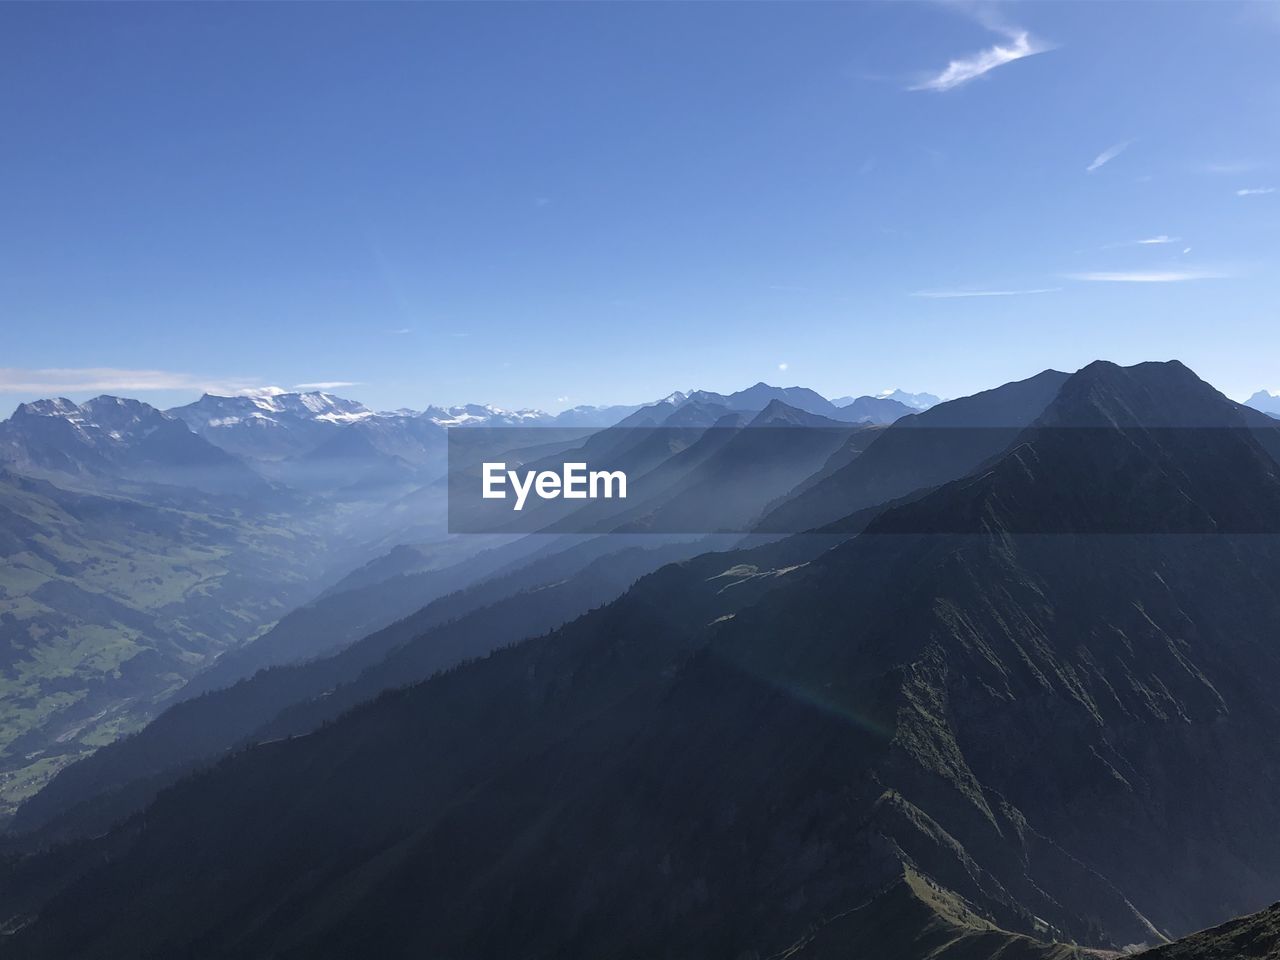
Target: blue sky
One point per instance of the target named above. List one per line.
(543, 205)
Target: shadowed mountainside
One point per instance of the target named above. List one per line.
(1255, 937)
(1068, 736)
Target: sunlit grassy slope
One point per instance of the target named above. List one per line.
(107, 603)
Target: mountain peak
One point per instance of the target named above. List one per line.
(51, 407)
(779, 413)
(1153, 394)
(1149, 448)
(877, 410)
(1266, 402)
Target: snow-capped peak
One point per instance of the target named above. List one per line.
(483, 413)
(104, 419)
(917, 401)
(260, 392)
(271, 403)
(52, 407)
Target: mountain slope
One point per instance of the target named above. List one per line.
(521, 602)
(1075, 733)
(1255, 937)
(749, 467)
(917, 451)
(108, 603)
(914, 917)
(714, 479)
(112, 439)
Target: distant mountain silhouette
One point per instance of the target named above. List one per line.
(113, 438)
(1266, 402)
(755, 398)
(917, 451)
(916, 401)
(878, 410)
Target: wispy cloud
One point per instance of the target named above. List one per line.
(1233, 168)
(958, 294)
(1148, 276)
(1159, 239)
(51, 380)
(326, 385)
(1254, 191)
(1020, 44)
(1107, 155)
(783, 366)
(73, 380)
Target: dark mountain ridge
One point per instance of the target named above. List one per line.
(213, 714)
(1074, 733)
(1255, 937)
(1027, 720)
(916, 452)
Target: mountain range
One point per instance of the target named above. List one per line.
(115, 438)
(143, 545)
(977, 717)
(916, 401)
(1010, 695)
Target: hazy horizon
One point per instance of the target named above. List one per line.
(401, 201)
(353, 391)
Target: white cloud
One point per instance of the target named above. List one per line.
(1152, 276)
(957, 72)
(51, 380)
(327, 385)
(1254, 191)
(63, 380)
(782, 366)
(1152, 241)
(1233, 168)
(1107, 155)
(958, 294)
